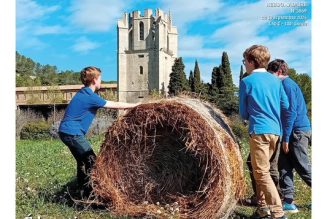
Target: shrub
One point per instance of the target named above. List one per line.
(35, 130)
(238, 127)
(23, 117)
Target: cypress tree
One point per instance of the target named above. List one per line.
(227, 74)
(185, 82)
(191, 81)
(197, 78)
(220, 80)
(213, 89)
(214, 76)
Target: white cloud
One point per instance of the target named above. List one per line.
(185, 11)
(28, 16)
(294, 47)
(250, 11)
(190, 42)
(96, 15)
(55, 29)
(84, 45)
(244, 29)
(211, 53)
(193, 46)
(29, 10)
(26, 40)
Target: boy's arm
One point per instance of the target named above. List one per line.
(119, 105)
(289, 115)
(243, 104)
(284, 103)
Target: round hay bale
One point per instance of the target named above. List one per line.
(170, 158)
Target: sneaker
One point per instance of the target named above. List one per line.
(290, 208)
(261, 213)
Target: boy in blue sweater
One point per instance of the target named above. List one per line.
(77, 119)
(262, 98)
(296, 136)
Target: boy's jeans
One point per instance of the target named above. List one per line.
(273, 168)
(262, 147)
(297, 158)
(83, 154)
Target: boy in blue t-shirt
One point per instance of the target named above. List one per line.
(262, 98)
(77, 119)
(296, 137)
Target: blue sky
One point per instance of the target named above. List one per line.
(73, 34)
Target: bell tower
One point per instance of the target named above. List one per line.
(146, 51)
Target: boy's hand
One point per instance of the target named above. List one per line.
(285, 147)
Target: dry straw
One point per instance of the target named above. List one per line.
(173, 158)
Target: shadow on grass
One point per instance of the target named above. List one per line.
(238, 215)
(71, 195)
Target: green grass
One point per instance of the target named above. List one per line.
(46, 168)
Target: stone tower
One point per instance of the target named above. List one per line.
(146, 51)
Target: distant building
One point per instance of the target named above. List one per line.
(146, 50)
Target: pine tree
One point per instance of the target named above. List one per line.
(191, 81)
(177, 81)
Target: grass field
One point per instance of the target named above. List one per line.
(45, 169)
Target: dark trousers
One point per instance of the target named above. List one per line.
(273, 168)
(297, 158)
(83, 154)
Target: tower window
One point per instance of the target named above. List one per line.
(141, 70)
(141, 30)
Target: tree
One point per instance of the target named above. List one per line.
(221, 90)
(220, 81)
(304, 82)
(214, 76)
(191, 81)
(185, 82)
(227, 75)
(68, 77)
(197, 78)
(177, 81)
(31, 73)
(49, 75)
(213, 91)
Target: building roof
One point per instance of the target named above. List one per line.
(62, 87)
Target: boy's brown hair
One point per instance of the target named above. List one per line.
(257, 54)
(88, 74)
(278, 64)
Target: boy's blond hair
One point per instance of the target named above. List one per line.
(88, 74)
(257, 54)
